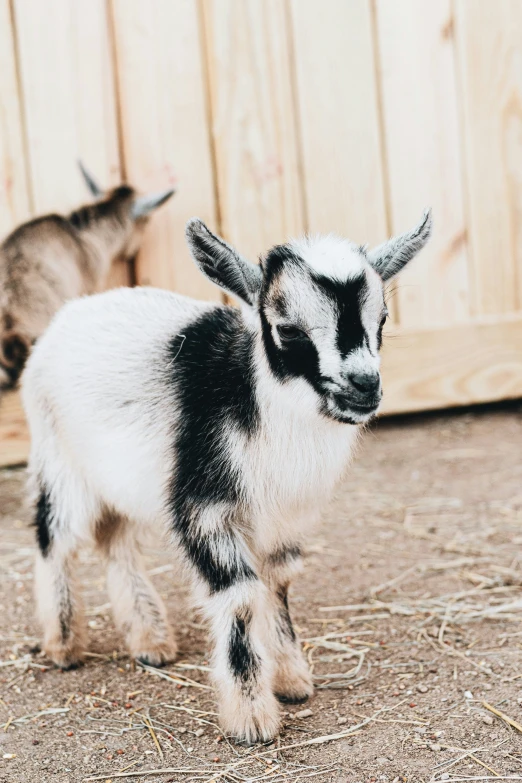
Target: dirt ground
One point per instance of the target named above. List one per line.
(410, 611)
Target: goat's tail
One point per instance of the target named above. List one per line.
(14, 350)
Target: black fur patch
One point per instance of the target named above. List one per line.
(42, 522)
(112, 207)
(284, 555)
(348, 299)
(285, 621)
(211, 370)
(244, 662)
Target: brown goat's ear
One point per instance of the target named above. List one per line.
(91, 183)
(144, 205)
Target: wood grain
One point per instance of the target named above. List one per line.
(455, 365)
(489, 40)
(338, 118)
(14, 196)
(165, 131)
(253, 122)
(420, 112)
(69, 101)
(14, 435)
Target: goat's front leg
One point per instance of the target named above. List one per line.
(236, 604)
(293, 680)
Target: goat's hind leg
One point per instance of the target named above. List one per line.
(293, 681)
(58, 600)
(138, 610)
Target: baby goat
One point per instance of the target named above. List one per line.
(51, 259)
(226, 429)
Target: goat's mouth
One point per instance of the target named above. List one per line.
(344, 408)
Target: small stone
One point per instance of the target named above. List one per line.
(422, 688)
(382, 760)
(199, 732)
(9, 756)
(420, 729)
(434, 746)
(487, 686)
(487, 719)
(444, 776)
(303, 714)
(182, 730)
(468, 695)
(342, 721)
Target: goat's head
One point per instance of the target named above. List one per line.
(124, 208)
(321, 308)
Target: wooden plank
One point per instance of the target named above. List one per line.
(489, 41)
(338, 118)
(420, 114)
(253, 122)
(14, 435)
(165, 133)
(69, 102)
(14, 197)
(455, 365)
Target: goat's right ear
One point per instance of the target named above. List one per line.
(91, 183)
(222, 264)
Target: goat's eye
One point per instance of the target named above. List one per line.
(384, 318)
(289, 333)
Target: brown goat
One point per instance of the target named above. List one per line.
(51, 259)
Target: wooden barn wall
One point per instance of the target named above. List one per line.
(275, 117)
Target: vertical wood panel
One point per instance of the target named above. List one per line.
(165, 133)
(68, 94)
(253, 122)
(420, 114)
(14, 198)
(489, 40)
(338, 115)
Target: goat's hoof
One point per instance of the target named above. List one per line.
(293, 683)
(67, 658)
(250, 721)
(70, 667)
(292, 698)
(158, 662)
(157, 656)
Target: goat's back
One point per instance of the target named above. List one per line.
(96, 386)
(42, 264)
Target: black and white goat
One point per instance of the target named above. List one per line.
(226, 429)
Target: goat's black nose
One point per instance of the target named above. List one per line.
(366, 383)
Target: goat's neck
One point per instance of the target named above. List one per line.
(104, 239)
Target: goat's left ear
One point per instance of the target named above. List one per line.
(389, 258)
(222, 264)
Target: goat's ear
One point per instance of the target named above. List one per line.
(222, 264)
(144, 205)
(91, 183)
(389, 258)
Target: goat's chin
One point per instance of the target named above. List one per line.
(348, 415)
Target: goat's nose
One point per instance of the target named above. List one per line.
(365, 382)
